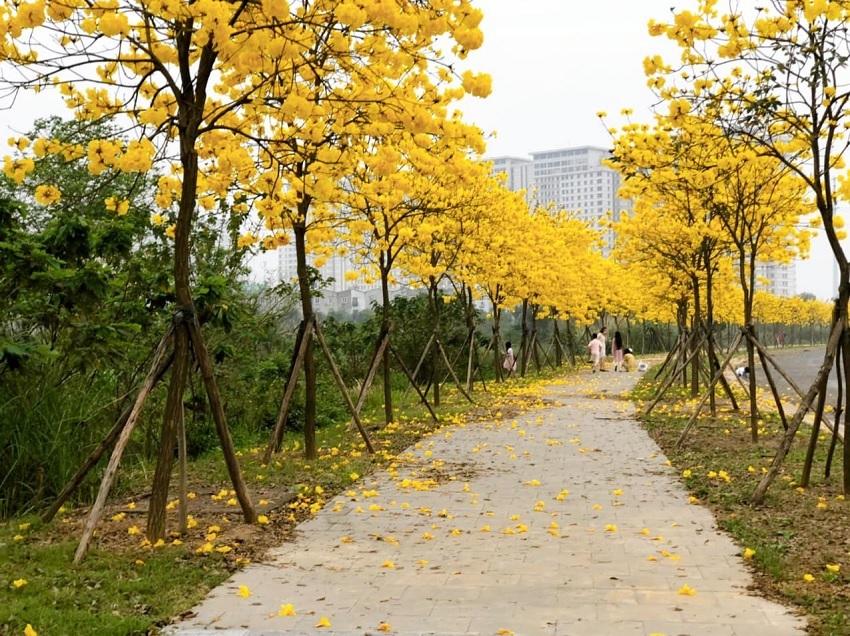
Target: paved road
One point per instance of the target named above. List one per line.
(565, 520)
(802, 364)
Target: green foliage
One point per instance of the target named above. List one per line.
(85, 295)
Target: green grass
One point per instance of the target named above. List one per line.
(111, 592)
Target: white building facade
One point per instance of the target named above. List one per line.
(777, 279)
(572, 179)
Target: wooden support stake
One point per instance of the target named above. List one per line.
(710, 389)
(454, 375)
(120, 445)
(204, 361)
(670, 378)
(773, 389)
(183, 466)
(827, 422)
(370, 377)
(794, 425)
(422, 396)
(343, 389)
(160, 366)
(418, 367)
(840, 362)
(301, 344)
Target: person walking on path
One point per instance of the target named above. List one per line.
(617, 351)
(509, 364)
(595, 349)
(603, 335)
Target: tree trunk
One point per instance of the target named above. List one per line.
(386, 328)
(168, 435)
(523, 339)
(435, 353)
(300, 232)
(497, 317)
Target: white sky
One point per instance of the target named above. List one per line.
(555, 64)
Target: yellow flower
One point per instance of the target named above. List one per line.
(47, 195)
(387, 564)
(133, 530)
(244, 592)
(263, 520)
(833, 568)
(29, 631)
(323, 622)
(610, 528)
(617, 492)
(808, 578)
(427, 536)
(23, 527)
(384, 627)
(19, 583)
(686, 590)
(286, 610)
(749, 553)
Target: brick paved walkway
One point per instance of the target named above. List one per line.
(565, 520)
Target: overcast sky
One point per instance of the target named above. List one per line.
(555, 64)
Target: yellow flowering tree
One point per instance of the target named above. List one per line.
(773, 78)
(399, 185)
(216, 89)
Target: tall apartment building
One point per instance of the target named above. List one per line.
(575, 179)
(518, 174)
(781, 279)
(571, 179)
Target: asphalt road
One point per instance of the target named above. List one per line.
(802, 365)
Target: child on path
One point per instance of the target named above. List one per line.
(629, 361)
(509, 364)
(617, 351)
(595, 347)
